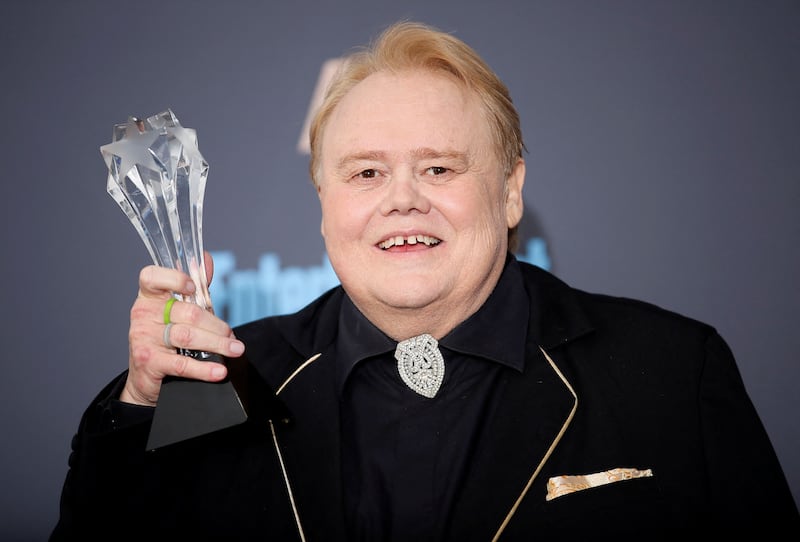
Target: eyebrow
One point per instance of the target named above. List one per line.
(420, 153)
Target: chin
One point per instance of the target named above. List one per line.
(408, 299)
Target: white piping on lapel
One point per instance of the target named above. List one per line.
(286, 481)
(280, 456)
(297, 371)
(549, 450)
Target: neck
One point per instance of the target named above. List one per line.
(436, 319)
(401, 324)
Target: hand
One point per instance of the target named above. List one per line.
(193, 328)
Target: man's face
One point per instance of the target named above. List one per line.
(414, 212)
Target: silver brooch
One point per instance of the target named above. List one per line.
(420, 364)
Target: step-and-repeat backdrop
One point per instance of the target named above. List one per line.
(662, 164)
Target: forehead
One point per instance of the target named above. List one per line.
(394, 112)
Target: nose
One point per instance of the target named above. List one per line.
(404, 194)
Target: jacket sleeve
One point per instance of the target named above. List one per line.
(746, 480)
(104, 468)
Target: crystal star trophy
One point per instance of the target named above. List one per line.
(157, 176)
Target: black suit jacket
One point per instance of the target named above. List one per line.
(608, 383)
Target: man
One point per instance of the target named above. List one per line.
(445, 391)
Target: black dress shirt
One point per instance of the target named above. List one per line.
(405, 456)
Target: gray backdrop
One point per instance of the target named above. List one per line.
(663, 165)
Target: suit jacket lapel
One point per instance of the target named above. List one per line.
(532, 412)
(294, 357)
(310, 447)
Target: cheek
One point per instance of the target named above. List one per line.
(473, 209)
(341, 219)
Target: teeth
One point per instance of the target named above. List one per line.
(411, 240)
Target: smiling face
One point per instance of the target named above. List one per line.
(415, 209)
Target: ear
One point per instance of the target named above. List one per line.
(514, 201)
(322, 225)
(322, 219)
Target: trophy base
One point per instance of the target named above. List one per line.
(191, 408)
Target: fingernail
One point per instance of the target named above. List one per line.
(236, 347)
(218, 372)
(190, 286)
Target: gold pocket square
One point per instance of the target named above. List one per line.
(564, 485)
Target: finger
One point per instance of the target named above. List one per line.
(197, 329)
(188, 367)
(191, 327)
(208, 261)
(191, 314)
(194, 338)
(150, 312)
(145, 376)
(155, 281)
(151, 359)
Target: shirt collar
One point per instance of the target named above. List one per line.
(497, 331)
(358, 339)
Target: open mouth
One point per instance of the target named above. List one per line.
(400, 240)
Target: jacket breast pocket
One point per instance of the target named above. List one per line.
(633, 504)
